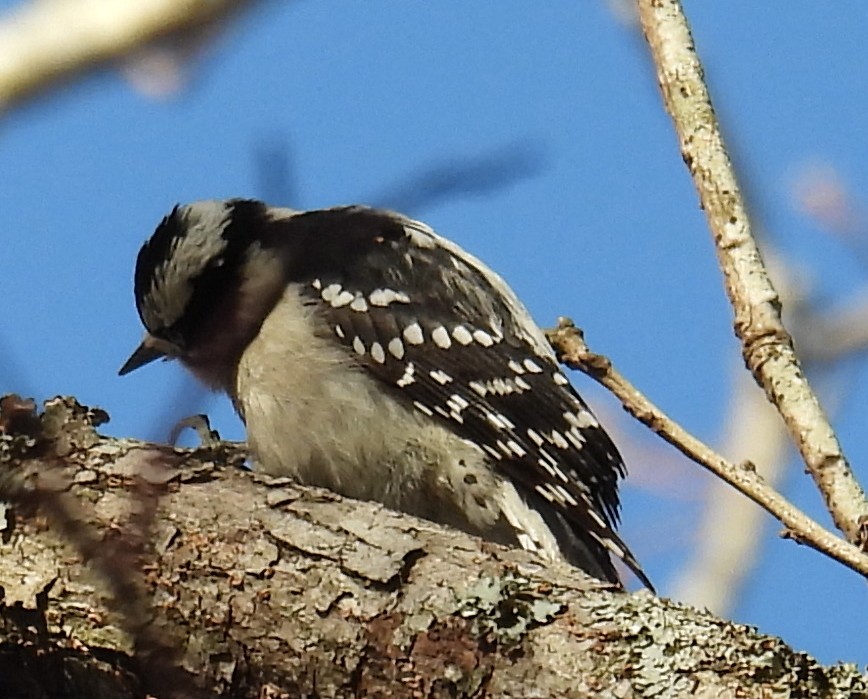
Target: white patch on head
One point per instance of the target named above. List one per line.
(413, 334)
(396, 348)
(462, 335)
(201, 244)
(441, 337)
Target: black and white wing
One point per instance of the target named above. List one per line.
(444, 333)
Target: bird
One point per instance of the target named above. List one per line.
(367, 354)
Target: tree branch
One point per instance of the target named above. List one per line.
(766, 345)
(265, 588)
(572, 350)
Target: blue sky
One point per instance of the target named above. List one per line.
(599, 220)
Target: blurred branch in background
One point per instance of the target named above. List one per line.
(462, 176)
(729, 535)
(49, 41)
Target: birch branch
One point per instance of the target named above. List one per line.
(766, 345)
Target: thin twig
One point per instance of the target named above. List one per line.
(572, 350)
(766, 345)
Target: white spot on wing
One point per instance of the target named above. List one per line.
(497, 420)
(441, 337)
(385, 297)
(575, 437)
(377, 353)
(521, 383)
(396, 348)
(559, 441)
(342, 299)
(458, 401)
(462, 335)
(339, 331)
(535, 436)
(582, 419)
(532, 366)
(515, 366)
(483, 338)
(359, 304)
(413, 334)
(421, 407)
(328, 294)
(316, 284)
(408, 377)
(492, 451)
(544, 491)
(440, 377)
(358, 345)
(560, 379)
(550, 464)
(596, 517)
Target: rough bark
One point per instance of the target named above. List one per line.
(255, 588)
